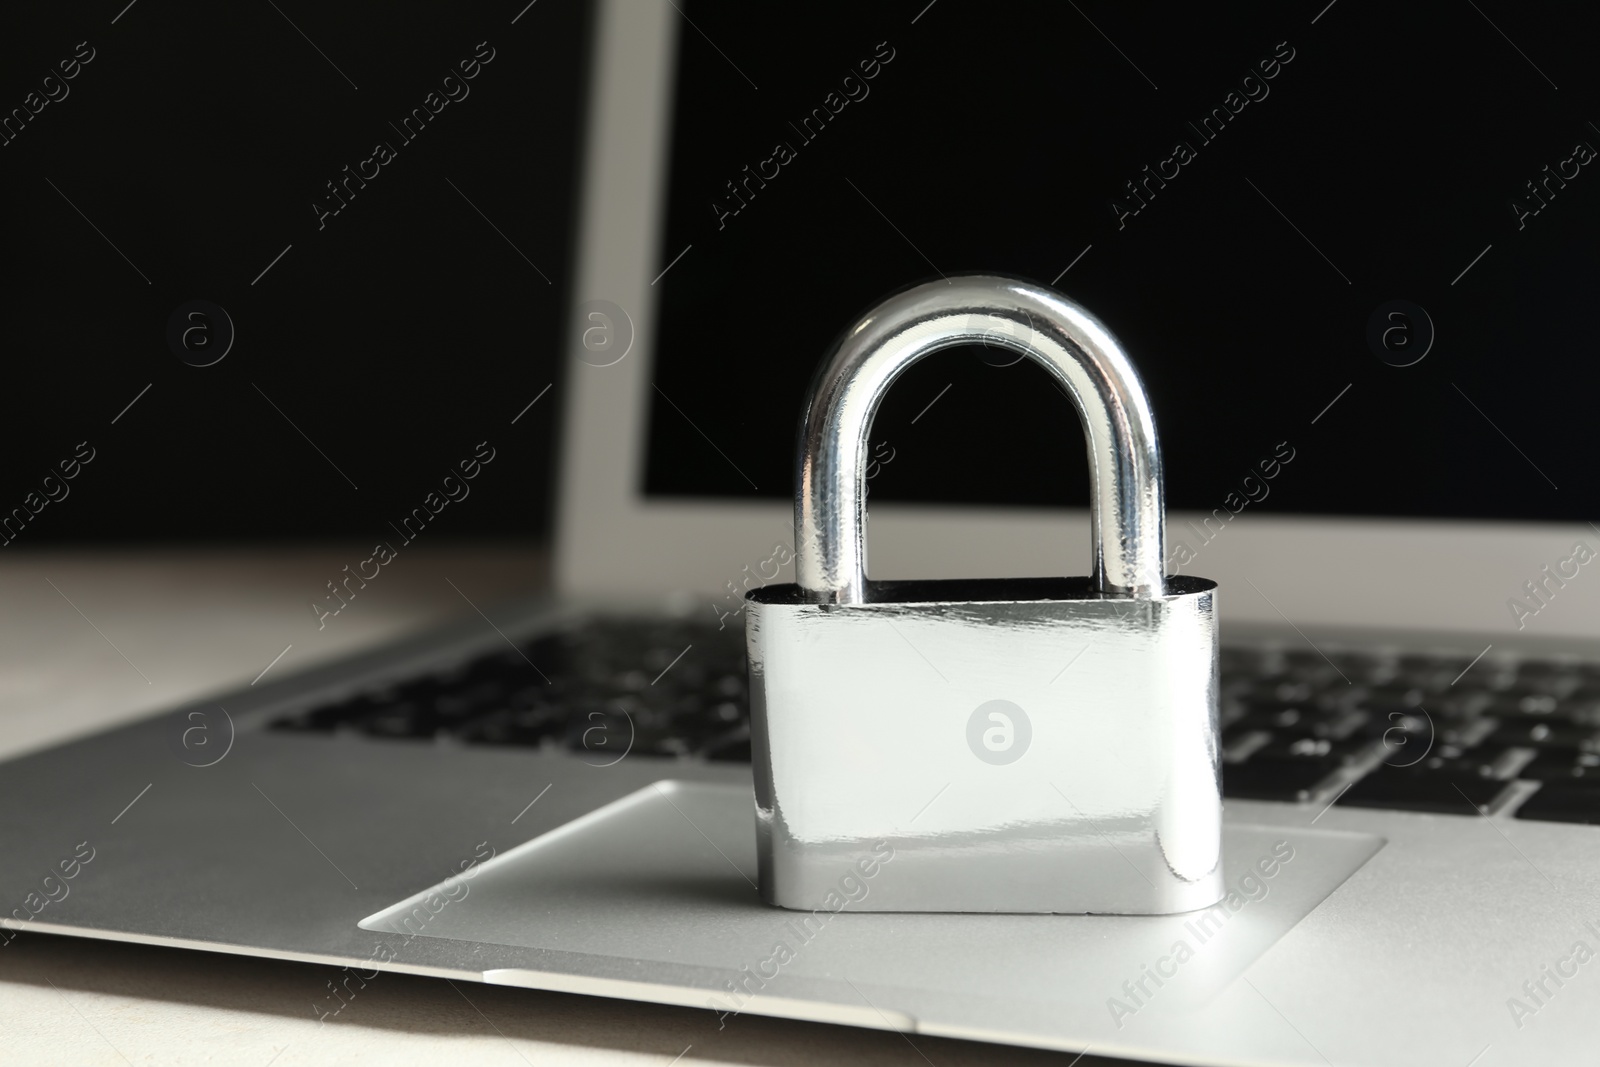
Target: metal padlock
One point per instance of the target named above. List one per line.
(988, 745)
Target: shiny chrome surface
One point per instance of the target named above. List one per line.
(1018, 745)
(861, 723)
(1126, 506)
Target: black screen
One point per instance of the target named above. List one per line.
(359, 214)
(1351, 248)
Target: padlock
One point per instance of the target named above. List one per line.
(985, 745)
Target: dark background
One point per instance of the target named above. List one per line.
(396, 338)
(408, 329)
(995, 141)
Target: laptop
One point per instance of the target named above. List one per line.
(1347, 250)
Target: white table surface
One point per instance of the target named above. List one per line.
(146, 629)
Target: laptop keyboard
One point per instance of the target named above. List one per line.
(1368, 728)
(602, 688)
(1435, 733)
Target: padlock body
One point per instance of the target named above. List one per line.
(1014, 745)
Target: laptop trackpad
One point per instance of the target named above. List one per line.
(668, 874)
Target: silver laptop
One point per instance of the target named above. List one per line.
(557, 795)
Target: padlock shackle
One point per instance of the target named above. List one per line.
(1126, 504)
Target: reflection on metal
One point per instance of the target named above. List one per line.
(1065, 729)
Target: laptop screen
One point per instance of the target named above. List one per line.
(279, 270)
(1351, 254)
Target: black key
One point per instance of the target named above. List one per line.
(1515, 704)
(1382, 699)
(1234, 686)
(423, 688)
(1547, 668)
(1237, 658)
(1400, 750)
(546, 654)
(1584, 709)
(1490, 674)
(731, 686)
(1399, 727)
(1265, 716)
(1338, 726)
(1368, 668)
(734, 748)
(1562, 803)
(1430, 673)
(630, 681)
(1254, 662)
(1315, 670)
(399, 719)
(1490, 761)
(701, 720)
(1558, 766)
(1460, 703)
(1267, 778)
(1323, 749)
(1229, 712)
(1437, 758)
(1268, 696)
(1467, 733)
(459, 705)
(1239, 747)
(1556, 732)
(1283, 691)
(1553, 679)
(730, 711)
(1449, 791)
